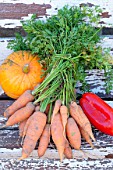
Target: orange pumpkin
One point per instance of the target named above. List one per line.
(20, 71)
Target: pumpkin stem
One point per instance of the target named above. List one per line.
(25, 68)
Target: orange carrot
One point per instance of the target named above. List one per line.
(56, 109)
(26, 127)
(19, 103)
(86, 136)
(64, 117)
(44, 141)
(47, 109)
(34, 131)
(57, 134)
(68, 150)
(73, 133)
(21, 127)
(21, 114)
(80, 117)
(37, 108)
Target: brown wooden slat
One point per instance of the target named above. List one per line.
(18, 10)
(10, 32)
(4, 104)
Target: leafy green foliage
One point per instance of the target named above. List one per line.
(19, 43)
(67, 43)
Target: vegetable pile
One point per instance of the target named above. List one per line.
(66, 45)
(34, 125)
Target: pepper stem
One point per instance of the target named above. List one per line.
(25, 68)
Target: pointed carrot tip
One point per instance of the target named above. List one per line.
(21, 158)
(61, 157)
(93, 138)
(2, 127)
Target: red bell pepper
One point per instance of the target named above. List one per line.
(99, 113)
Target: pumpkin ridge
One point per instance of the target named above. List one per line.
(13, 62)
(21, 82)
(29, 56)
(30, 81)
(7, 79)
(24, 55)
(15, 53)
(32, 59)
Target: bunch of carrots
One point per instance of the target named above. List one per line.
(67, 47)
(64, 124)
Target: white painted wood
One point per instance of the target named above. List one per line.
(106, 5)
(50, 164)
(4, 51)
(53, 153)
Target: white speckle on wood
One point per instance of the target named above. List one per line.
(4, 51)
(106, 5)
(53, 153)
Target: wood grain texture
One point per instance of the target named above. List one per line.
(11, 11)
(48, 164)
(18, 10)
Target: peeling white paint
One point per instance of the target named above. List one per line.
(9, 158)
(53, 153)
(106, 5)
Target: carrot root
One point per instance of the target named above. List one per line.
(64, 117)
(73, 133)
(68, 150)
(44, 141)
(57, 135)
(81, 119)
(21, 127)
(19, 103)
(21, 114)
(56, 109)
(34, 131)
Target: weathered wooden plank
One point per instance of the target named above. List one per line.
(10, 151)
(48, 164)
(96, 82)
(9, 138)
(18, 10)
(10, 147)
(11, 12)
